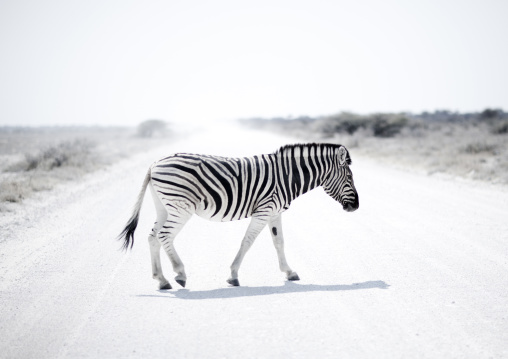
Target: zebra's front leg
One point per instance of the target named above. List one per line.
(255, 227)
(275, 225)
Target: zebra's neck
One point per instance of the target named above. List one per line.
(303, 167)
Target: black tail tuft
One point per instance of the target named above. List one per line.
(128, 233)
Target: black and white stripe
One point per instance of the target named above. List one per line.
(226, 189)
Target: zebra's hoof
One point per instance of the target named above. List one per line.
(181, 282)
(293, 276)
(165, 286)
(234, 282)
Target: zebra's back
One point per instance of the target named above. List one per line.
(219, 188)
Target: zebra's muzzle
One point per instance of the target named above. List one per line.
(351, 207)
(348, 207)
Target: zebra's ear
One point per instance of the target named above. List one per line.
(342, 155)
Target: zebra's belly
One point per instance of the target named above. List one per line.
(208, 214)
(224, 214)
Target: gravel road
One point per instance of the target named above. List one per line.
(419, 271)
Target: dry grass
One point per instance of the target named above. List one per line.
(38, 159)
(457, 150)
(469, 145)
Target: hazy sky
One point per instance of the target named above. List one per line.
(121, 62)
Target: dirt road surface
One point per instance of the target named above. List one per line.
(419, 271)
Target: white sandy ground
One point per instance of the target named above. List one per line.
(419, 271)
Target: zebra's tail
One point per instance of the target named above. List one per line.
(128, 233)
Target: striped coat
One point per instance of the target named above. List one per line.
(225, 189)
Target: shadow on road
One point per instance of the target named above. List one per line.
(288, 287)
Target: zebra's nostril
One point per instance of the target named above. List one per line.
(349, 207)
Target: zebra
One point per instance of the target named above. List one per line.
(226, 189)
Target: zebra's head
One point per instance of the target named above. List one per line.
(339, 183)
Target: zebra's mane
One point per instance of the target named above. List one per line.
(287, 148)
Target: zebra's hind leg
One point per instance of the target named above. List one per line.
(178, 214)
(156, 261)
(275, 225)
(255, 226)
(155, 245)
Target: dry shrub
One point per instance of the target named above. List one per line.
(38, 159)
(500, 128)
(149, 128)
(470, 145)
(480, 147)
(387, 126)
(69, 153)
(41, 170)
(18, 186)
(13, 191)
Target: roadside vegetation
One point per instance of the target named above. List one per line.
(470, 145)
(34, 159)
